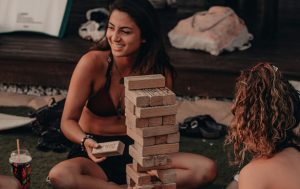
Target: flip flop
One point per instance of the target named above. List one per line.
(209, 122)
(202, 126)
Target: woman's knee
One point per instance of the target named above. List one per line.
(9, 182)
(61, 177)
(211, 170)
(15, 184)
(206, 171)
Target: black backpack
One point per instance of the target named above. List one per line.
(47, 127)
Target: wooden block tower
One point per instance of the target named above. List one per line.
(151, 122)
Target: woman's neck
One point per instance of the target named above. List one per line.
(124, 64)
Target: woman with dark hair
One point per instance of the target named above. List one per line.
(266, 112)
(151, 56)
(94, 108)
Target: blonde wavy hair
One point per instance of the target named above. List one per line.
(266, 109)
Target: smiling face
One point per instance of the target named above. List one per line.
(123, 35)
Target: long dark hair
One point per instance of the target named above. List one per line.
(152, 57)
(266, 109)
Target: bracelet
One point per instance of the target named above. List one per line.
(83, 140)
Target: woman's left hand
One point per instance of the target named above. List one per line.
(89, 144)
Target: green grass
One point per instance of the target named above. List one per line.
(43, 161)
(214, 149)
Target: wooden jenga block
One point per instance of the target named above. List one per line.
(129, 106)
(169, 120)
(134, 122)
(138, 178)
(165, 175)
(154, 185)
(147, 161)
(155, 131)
(130, 182)
(156, 149)
(144, 141)
(155, 111)
(156, 98)
(144, 81)
(169, 96)
(139, 98)
(173, 138)
(154, 121)
(162, 160)
(137, 167)
(148, 187)
(169, 186)
(106, 149)
(161, 139)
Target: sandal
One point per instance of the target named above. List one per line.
(202, 126)
(212, 124)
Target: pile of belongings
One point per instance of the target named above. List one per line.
(213, 31)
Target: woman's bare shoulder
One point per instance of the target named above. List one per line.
(257, 164)
(259, 173)
(93, 61)
(253, 176)
(95, 58)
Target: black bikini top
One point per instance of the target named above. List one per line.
(101, 102)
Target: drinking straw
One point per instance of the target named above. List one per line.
(18, 148)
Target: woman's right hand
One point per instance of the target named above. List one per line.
(89, 144)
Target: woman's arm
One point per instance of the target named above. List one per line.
(80, 88)
(78, 93)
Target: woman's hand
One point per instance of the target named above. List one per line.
(89, 144)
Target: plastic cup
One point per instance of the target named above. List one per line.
(21, 166)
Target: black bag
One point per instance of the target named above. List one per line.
(47, 127)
